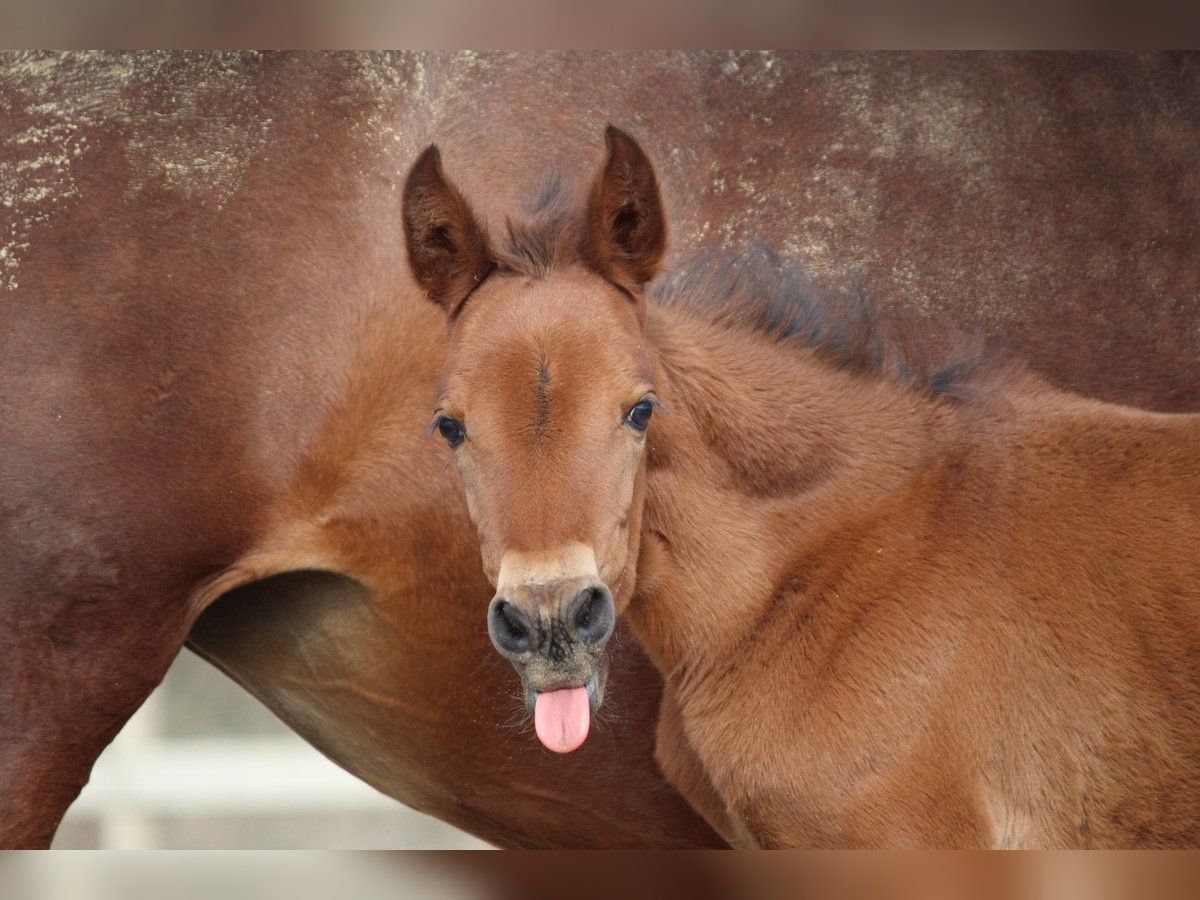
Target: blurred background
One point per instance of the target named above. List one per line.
(203, 765)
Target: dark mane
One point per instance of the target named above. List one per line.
(756, 289)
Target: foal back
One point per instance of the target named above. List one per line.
(1093, 673)
(1075, 558)
(1006, 653)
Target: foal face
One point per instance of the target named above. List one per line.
(544, 401)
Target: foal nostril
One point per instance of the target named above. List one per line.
(592, 615)
(510, 629)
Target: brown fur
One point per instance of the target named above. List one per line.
(216, 370)
(884, 617)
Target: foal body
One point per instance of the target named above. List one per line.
(957, 611)
(886, 619)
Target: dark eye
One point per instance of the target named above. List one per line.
(639, 417)
(451, 430)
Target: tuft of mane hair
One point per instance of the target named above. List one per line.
(547, 237)
(757, 289)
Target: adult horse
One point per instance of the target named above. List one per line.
(213, 359)
(862, 577)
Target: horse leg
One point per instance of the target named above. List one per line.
(683, 768)
(67, 686)
(37, 784)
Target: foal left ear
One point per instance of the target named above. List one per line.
(447, 250)
(626, 232)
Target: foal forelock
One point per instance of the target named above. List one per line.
(546, 237)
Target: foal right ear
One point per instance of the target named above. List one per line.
(447, 250)
(626, 232)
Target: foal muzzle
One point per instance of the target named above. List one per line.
(555, 622)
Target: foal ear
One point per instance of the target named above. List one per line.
(626, 232)
(447, 250)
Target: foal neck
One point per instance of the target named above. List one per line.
(767, 454)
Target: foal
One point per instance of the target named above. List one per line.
(941, 612)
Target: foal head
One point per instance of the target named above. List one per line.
(544, 401)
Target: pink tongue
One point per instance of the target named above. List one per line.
(562, 719)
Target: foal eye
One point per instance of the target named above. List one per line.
(639, 417)
(452, 430)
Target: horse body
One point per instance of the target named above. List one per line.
(216, 374)
(976, 626)
(151, 421)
